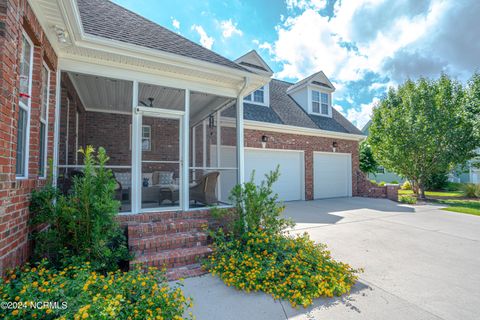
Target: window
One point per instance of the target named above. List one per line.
(380, 169)
(320, 103)
(42, 159)
(258, 96)
(146, 138)
(315, 102)
(324, 103)
(26, 65)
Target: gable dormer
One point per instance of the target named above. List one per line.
(314, 94)
(254, 63)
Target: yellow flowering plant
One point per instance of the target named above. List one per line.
(82, 293)
(292, 268)
(257, 254)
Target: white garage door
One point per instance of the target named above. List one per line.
(332, 175)
(290, 185)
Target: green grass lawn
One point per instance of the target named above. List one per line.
(449, 194)
(462, 206)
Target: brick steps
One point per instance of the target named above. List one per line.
(162, 242)
(172, 258)
(172, 240)
(147, 229)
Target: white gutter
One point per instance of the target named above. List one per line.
(274, 127)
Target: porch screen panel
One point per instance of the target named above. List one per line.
(213, 152)
(96, 111)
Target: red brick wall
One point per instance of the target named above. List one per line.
(16, 16)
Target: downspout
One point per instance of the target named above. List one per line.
(240, 145)
(240, 134)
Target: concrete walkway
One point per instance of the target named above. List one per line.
(420, 263)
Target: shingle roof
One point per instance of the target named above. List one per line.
(290, 113)
(105, 19)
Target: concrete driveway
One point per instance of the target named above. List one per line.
(420, 263)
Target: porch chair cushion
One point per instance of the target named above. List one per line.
(162, 178)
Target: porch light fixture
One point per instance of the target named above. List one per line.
(62, 34)
(211, 121)
(334, 146)
(264, 141)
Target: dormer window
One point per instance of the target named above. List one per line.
(259, 96)
(320, 102)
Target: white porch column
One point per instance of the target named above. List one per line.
(56, 130)
(185, 153)
(240, 142)
(136, 191)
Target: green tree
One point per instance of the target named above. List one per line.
(367, 161)
(425, 128)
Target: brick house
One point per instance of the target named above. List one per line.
(181, 124)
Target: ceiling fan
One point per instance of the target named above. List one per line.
(146, 105)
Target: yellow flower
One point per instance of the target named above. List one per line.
(85, 316)
(15, 312)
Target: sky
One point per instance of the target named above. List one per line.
(363, 46)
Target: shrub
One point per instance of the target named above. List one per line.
(82, 293)
(406, 185)
(382, 183)
(471, 190)
(407, 199)
(291, 268)
(394, 182)
(260, 256)
(453, 186)
(436, 181)
(81, 224)
(373, 182)
(256, 207)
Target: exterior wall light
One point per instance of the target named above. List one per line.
(334, 146)
(264, 141)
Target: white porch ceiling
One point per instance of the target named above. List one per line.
(103, 94)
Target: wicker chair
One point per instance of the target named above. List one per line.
(204, 191)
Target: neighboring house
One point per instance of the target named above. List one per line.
(381, 174)
(181, 124)
(469, 174)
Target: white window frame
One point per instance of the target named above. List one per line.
(266, 96)
(144, 126)
(311, 101)
(43, 174)
(141, 137)
(27, 108)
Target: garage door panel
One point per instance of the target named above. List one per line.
(332, 175)
(290, 183)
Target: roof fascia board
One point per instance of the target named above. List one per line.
(258, 125)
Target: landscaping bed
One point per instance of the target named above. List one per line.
(257, 254)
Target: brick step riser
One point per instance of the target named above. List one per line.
(146, 246)
(170, 262)
(141, 231)
(165, 216)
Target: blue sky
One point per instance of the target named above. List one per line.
(363, 46)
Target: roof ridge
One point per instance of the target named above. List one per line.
(287, 82)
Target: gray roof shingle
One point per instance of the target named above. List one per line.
(290, 113)
(106, 19)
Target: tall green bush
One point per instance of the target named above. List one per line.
(81, 225)
(256, 207)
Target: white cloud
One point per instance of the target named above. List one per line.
(266, 46)
(360, 116)
(205, 40)
(306, 4)
(175, 23)
(229, 28)
(308, 42)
